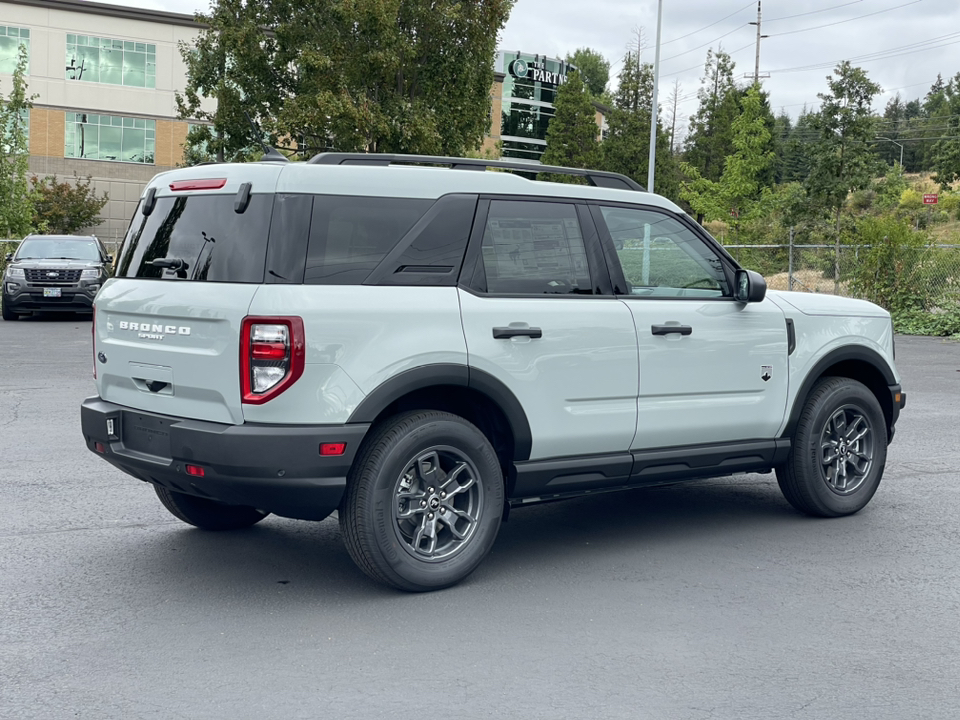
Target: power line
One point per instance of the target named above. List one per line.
(706, 27)
(840, 22)
(814, 12)
(880, 54)
(687, 52)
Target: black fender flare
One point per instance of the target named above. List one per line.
(857, 353)
(441, 374)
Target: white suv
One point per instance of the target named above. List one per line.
(422, 345)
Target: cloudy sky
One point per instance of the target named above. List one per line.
(902, 44)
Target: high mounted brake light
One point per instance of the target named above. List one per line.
(201, 184)
(272, 356)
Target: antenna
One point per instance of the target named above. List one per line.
(269, 154)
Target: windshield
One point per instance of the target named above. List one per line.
(58, 248)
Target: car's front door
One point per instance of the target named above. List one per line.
(536, 317)
(712, 370)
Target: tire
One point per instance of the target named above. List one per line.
(8, 314)
(413, 474)
(208, 514)
(838, 452)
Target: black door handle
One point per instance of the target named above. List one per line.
(667, 329)
(504, 333)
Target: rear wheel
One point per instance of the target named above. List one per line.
(423, 502)
(839, 450)
(208, 514)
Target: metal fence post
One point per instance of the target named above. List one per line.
(790, 262)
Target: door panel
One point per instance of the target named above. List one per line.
(577, 382)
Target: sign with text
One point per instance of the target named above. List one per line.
(930, 198)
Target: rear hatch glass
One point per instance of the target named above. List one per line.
(211, 241)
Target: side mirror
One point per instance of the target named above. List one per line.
(109, 258)
(9, 257)
(751, 287)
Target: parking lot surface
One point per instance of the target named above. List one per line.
(713, 599)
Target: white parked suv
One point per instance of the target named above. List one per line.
(422, 345)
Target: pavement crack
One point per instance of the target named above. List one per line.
(29, 533)
(14, 413)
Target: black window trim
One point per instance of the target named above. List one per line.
(729, 265)
(473, 276)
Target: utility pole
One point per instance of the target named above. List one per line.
(756, 69)
(653, 110)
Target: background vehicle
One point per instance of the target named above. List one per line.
(58, 273)
(423, 348)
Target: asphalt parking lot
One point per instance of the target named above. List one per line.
(708, 600)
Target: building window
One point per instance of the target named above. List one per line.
(6, 134)
(11, 38)
(108, 137)
(115, 62)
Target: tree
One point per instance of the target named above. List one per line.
(594, 69)
(15, 202)
(65, 208)
(403, 76)
(572, 133)
(710, 140)
(946, 152)
(626, 149)
(841, 160)
(738, 191)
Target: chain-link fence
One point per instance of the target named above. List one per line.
(929, 273)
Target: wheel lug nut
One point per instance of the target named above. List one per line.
(430, 490)
(423, 503)
(430, 516)
(443, 494)
(442, 510)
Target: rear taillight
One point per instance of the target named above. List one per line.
(272, 356)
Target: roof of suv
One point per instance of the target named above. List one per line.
(404, 181)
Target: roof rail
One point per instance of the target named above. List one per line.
(597, 178)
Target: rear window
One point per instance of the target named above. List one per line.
(214, 243)
(349, 236)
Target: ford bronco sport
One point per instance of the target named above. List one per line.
(422, 345)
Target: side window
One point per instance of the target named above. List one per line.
(349, 236)
(534, 248)
(661, 256)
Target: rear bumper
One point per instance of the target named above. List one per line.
(277, 468)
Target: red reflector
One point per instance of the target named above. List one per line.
(203, 184)
(268, 351)
(195, 470)
(99, 447)
(333, 448)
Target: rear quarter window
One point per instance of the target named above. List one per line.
(216, 243)
(349, 236)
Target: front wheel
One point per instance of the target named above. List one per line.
(839, 450)
(208, 514)
(423, 502)
(8, 314)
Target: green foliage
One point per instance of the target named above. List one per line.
(64, 208)
(943, 322)
(710, 140)
(738, 191)
(947, 151)
(594, 68)
(626, 149)
(891, 188)
(841, 159)
(367, 75)
(572, 134)
(15, 201)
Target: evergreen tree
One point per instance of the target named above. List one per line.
(626, 148)
(841, 158)
(16, 204)
(572, 133)
(946, 152)
(710, 139)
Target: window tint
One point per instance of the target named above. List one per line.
(349, 236)
(661, 256)
(534, 248)
(54, 247)
(217, 244)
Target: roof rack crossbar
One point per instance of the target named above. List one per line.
(597, 178)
